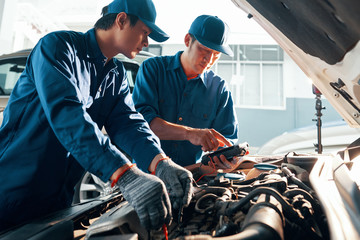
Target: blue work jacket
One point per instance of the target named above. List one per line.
(162, 90)
(51, 130)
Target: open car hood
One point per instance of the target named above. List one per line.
(322, 37)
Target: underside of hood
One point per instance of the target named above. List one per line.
(322, 37)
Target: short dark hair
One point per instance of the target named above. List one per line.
(107, 20)
(193, 39)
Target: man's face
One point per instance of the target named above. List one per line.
(135, 38)
(201, 58)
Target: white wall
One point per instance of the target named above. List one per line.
(7, 22)
(171, 49)
(296, 83)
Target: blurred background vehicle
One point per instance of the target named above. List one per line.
(335, 136)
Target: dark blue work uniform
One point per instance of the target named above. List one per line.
(163, 90)
(51, 129)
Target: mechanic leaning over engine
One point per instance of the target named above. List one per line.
(187, 105)
(71, 87)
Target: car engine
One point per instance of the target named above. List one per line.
(273, 200)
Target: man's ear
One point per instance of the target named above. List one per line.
(121, 19)
(187, 39)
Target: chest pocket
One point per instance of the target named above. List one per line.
(202, 115)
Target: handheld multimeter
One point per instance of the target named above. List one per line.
(237, 150)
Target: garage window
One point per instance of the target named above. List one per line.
(255, 75)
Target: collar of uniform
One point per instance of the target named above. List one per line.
(175, 63)
(201, 77)
(93, 49)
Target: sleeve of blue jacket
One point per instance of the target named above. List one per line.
(60, 92)
(127, 128)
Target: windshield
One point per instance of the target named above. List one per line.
(10, 71)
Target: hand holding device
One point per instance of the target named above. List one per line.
(237, 150)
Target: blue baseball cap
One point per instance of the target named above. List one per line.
(211, 32)
(144, 10)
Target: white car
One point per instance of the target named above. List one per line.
(334, 136)
(282, 196)
(322, 37)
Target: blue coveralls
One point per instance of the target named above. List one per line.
(162, 90)
(51, 128)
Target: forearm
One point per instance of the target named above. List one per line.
(169, 131)
(208, 139)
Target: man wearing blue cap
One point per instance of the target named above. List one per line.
(186, 104)
(71, 87)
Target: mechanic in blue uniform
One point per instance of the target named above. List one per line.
(187, 105)
(71, 87)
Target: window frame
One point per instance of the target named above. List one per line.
(261, 63)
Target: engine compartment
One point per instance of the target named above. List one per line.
(273, 201)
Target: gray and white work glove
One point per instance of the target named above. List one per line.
(178, 182)
(147, 195)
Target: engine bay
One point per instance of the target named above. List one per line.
(271, 200)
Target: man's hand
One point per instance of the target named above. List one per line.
(178, 182)
(208, 139)
(147, 194)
